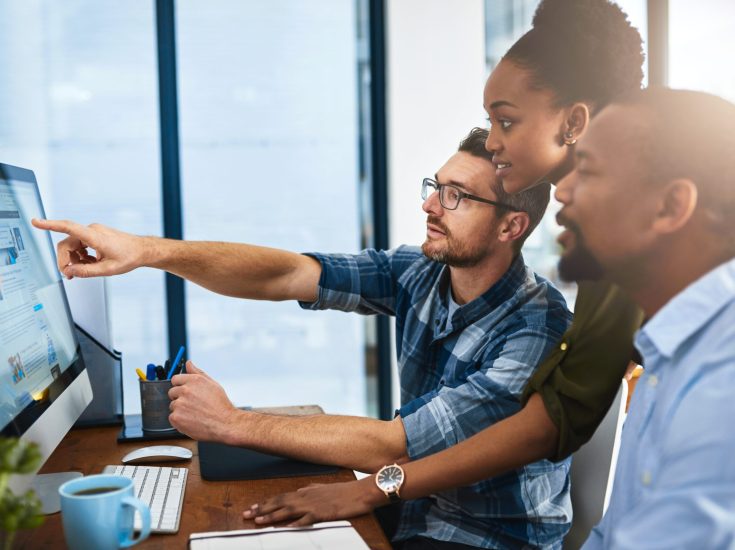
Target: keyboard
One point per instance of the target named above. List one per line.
(161, 488)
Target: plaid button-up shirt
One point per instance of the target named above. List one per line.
(459, 376)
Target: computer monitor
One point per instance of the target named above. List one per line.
(44, 385)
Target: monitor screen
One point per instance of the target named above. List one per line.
(39, 352)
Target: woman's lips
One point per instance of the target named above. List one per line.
(502, 169)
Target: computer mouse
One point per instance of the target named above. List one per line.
(157, 453)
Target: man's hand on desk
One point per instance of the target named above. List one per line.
(200, 407)
(317, 503)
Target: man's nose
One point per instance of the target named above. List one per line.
(432, 204)
(565, 188)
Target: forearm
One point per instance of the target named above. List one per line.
(240, 270)
(521, 439)
(511, 443)
(363, 444)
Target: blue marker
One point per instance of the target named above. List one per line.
(176, 362)
(150, 372)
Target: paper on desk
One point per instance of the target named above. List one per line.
(338, 535)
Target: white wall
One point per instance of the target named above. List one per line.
(435, 79)
(436, 74)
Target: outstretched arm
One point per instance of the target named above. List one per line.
(239, 270)
(521, 439)
(200, 409)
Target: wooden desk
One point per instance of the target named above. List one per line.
(208, 505)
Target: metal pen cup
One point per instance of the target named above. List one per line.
(154, 405)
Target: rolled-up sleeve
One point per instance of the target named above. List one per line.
(579, 378)
(364, 283)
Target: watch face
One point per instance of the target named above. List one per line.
(390, 478)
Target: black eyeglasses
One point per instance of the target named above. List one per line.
(450, 196)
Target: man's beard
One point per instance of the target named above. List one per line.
(578, 264)
(450, 254)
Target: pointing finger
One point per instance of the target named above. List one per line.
(69, 227)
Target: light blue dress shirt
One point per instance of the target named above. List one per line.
(675, 479)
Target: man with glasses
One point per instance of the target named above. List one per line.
(472, 324)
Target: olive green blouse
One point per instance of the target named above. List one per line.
(581, 375)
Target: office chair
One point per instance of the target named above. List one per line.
(593, 471)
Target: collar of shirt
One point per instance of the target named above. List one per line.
(499, 294)
(687, 312)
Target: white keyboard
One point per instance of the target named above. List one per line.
(161, 488)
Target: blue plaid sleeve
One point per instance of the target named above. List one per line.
(364, 283)
(444, 417)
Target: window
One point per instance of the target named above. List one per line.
(701, 43)
(271, 130)
(269, 147)
(79, 106)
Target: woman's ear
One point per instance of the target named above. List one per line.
(575, 123)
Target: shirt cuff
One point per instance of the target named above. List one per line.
(426, 421)
(339, 283)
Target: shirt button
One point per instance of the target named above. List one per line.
(653, 380)
(646, 478)
(563, 346)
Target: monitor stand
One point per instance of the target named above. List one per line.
(46, 487)
(132, 430)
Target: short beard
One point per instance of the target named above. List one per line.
(450, 254)
(451, 257)
(579, 264)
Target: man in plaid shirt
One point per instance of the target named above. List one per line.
(472, 324)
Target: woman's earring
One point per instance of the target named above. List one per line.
(569, 138)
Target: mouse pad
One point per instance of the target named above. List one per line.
(220, 462)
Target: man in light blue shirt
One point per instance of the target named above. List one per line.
(679, 445)
(662, 164)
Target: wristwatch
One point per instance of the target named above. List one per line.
(389, 480)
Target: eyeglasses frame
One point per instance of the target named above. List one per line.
(462, 195)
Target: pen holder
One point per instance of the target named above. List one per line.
(154, 405)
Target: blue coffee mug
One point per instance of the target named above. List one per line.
(98, 512)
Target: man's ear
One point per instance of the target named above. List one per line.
(676, 204)
(514, 226)
(576, 120)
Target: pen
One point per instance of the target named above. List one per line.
(160, 373)
(150, 373)
(176, 362)
(179, 369)
(140, 374)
